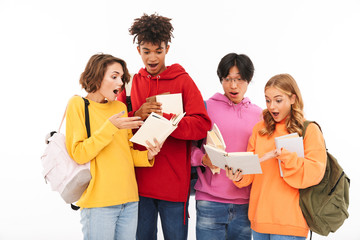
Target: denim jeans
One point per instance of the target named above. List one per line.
(216, 220)
(173, 218)
(108, 223)
(264, 236)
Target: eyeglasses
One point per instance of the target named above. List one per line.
(236, 80)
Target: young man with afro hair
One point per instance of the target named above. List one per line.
(164, 188)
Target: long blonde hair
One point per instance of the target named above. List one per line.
(295, 122)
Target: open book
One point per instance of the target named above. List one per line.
(215, 139)
(215, 148)
(156, 126)
(246, 161)
(291, 142)
(171, 103)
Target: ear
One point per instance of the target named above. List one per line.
(292, 99)
(167, 49)
(138, 48)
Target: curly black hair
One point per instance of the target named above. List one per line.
(153, 29)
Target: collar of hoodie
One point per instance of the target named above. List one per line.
(245, 103)
(221, 97)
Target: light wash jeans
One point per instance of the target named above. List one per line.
(220, 221)
(264, 236)
(117, 222)
(173, 216)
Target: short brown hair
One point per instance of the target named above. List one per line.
(95, 70)
(153, 29)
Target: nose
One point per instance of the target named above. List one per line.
(121, 82)
(152, 56)
(271, 105)
(233, 83)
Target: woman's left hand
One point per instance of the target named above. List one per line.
(237, 176)
(153, 150)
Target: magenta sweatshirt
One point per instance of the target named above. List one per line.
(235, 122)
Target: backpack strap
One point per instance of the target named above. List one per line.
(87, 124)
(306, 124)
(128, 92)
(87, 120)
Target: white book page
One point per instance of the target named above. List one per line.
(217, 156)
(249, 164)
(171, 103)
(218, 133)
(155, 126)
(292, 143)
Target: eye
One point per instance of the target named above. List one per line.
(267, 100)
(278, 100)
(159, 52)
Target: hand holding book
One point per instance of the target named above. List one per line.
(291, 142)
(147, 108)
(215, 146)
(156, 126)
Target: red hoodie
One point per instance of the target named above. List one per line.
(169, 178)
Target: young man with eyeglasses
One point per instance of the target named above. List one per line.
(221, 207)
(164, 188)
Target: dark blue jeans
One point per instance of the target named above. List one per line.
(220, 221)
(173, 216)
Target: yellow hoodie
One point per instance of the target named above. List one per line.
(111, 155)
(274, 200)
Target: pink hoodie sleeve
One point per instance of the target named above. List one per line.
(196, 156)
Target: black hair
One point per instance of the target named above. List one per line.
(241, 61)
(154, 29)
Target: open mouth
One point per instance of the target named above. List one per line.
(275, 114)
(233, 93)
(153, 65)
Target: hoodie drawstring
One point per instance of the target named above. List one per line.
(157, 85)
(149, 78)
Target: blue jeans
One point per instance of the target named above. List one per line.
(108, 223)
(264, 236)
(173, 216)
(216, 220)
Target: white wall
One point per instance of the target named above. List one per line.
(44, 46)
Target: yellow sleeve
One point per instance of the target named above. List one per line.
(140, 158)
(304, 172)
(81, 148)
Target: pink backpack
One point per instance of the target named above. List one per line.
(66, 176)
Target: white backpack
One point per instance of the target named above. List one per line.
(64, 174)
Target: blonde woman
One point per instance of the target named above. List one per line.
(274, 210)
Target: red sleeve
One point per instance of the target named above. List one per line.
(195, 124)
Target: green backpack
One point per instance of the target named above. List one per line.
(325, 205)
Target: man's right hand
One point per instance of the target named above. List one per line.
(144, 111)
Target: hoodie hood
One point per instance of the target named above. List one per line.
(222, 98)
(228, 104)
(170, 73)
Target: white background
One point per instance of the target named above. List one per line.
(44, 46)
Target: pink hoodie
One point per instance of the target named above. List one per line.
(235, 122)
